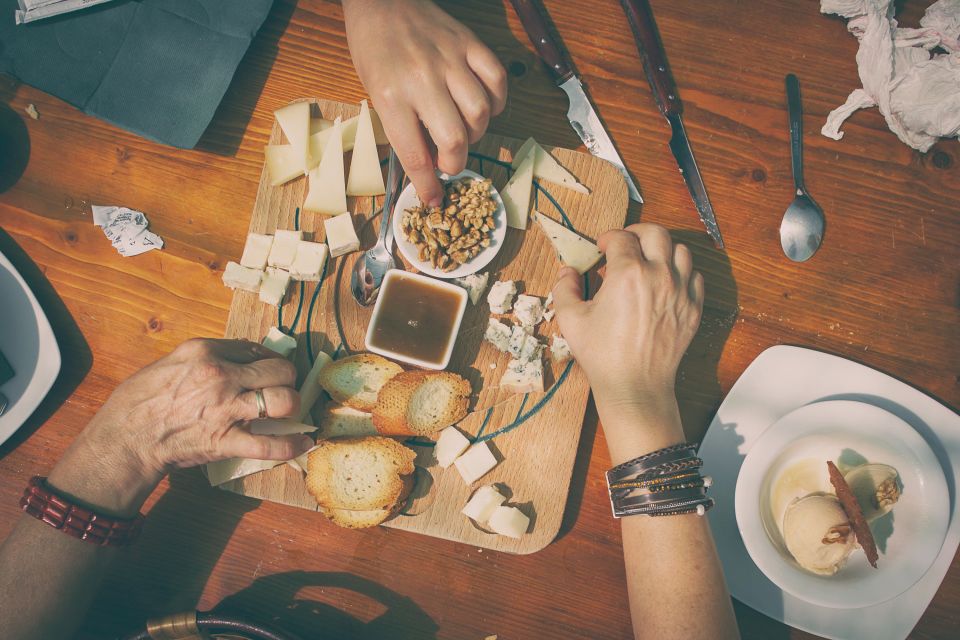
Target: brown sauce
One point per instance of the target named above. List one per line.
(416, 319)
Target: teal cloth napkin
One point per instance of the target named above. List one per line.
(158, 68)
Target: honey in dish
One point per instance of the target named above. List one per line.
(416, 319)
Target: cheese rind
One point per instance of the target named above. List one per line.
(284, 248)
(256, 250)
(274, 286)
(516, 193)
(509, 521)
(546, 167)
(341, 235)
(482, 503)
(327, 187)
(572, 249)
(237, 276)
(366, 178)
(279, 342)
(450, 445)
(294, 119)
(475, 462)
(309, 261)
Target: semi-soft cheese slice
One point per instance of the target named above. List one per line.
(279, 342)
(318, 140)
(546, 167)
(310, 389)
(274, 286)
(284, 248)
(366, 178)
(341, 235)
(481, 505)
(294, 119)
(476, 462)
(319, 124)
(275, 427)
(309, 261)
(237, 276)
(450, 445)
(283, 163)
(509, 521)
(573, 250)
(516, 193)
(234, 468)
(328, 194)
(256, 250)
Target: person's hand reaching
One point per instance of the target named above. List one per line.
(434, 85)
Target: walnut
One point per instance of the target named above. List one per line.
(837, 534)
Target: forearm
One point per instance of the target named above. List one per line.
(674, 577)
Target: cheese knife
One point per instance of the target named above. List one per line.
(640, 17)
(581, 114)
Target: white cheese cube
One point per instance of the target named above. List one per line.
(237, 276)
(284, 248)
(498, 334)
(509, 521)
(309, 261)
(482, 504)
(279, 342)
(475, 284)
(501, 295)
(450, 445)
(476, 462)
(528, 310)
(341, 236)
(256, 251)
(560, 350)
(523, 377)
(274, 286)
(523, 345)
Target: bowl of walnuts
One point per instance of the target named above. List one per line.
(458, 238)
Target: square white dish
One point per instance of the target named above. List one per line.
(784, 378)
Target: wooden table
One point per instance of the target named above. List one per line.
(882, 291)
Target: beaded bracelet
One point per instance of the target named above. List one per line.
(656, 463)
(664, 482)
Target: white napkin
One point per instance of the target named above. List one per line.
(126, 230)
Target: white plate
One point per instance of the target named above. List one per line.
(782, 379)
(408, 199)
(28, 343)
(842, 431)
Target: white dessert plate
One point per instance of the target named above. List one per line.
(28, 343)
(408, 199)
(849, 433)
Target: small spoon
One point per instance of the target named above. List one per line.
(801, 230)
(369, 269)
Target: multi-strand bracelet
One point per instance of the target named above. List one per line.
(665, 482)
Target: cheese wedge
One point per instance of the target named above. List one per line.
(516, 193)
(279, 342)
(234, 468)
(366, 178)
(274, 427)
(319, 124)
(294, 119)
(318, 140)
(546, 167)
(573, 250)
(328, 193)
(310, 389)
(283, 163)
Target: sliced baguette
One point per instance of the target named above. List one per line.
(421, 403)
(358, 474)
(338, 420)
(372, 517)
(356, 380)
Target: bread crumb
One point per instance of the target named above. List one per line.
(31, 110)
(493, 365)
(490, 638)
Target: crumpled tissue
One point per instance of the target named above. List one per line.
(126, 230)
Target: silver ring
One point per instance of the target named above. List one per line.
(261, 404)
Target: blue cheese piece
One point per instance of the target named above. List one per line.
(274, 286)
(498, 334)
(284, 248)
(475, 284)
(309, 261)
(528, 310)
(279, 342)
(523, 344)
(256, 251)
(523, 377)
(501, 296)
(237, 276)
(341, 235)
(560, 350)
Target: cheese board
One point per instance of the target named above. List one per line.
(534, 436)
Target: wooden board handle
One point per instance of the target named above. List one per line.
(548, 49)
(640, 17)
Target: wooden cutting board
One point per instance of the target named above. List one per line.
(535, 435)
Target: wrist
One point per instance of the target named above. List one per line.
(639, 425)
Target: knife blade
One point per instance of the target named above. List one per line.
(644, 26)
(581, 113)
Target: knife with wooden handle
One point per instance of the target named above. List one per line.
(640, 17)
(581, 113)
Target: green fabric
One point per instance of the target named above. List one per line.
(158, 68)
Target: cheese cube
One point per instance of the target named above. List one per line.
(256, 251)
(523, 376)
(274, 286)
(476, 462)
(501, 295)
(475, 284)
(284, 248)
(309, 261)
(509, 521)
(560, 350)
(279, 342)
(528, 310)
(498, 334)
(481, 505)
(237, 276)
(341, 236)
(450, 445)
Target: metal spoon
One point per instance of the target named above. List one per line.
(369, 269)
(3, 403)
(801, 230)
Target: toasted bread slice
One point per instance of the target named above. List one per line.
(356, 380)
(358, 474)
(421, 403)
(338, 420)
(372, 517)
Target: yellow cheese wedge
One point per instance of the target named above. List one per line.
(516, 193)
(234, 468)
(328, 194)
(319, 139)
(311, 390)
(319, 124)
(283, 163)
(365, 179)
(546, 167)
(294, 119)
(573, 250)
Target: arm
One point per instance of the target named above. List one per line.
(434, 84)
(629, 340)
(180, 411)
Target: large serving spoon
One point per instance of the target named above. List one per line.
(801, 230)
(372, 266)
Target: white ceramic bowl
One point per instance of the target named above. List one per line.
(843, 431)
(408, 199)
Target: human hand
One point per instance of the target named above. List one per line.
(630, 337)
(433, 83)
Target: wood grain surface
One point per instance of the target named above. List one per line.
(883, 291)
(538, 456)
